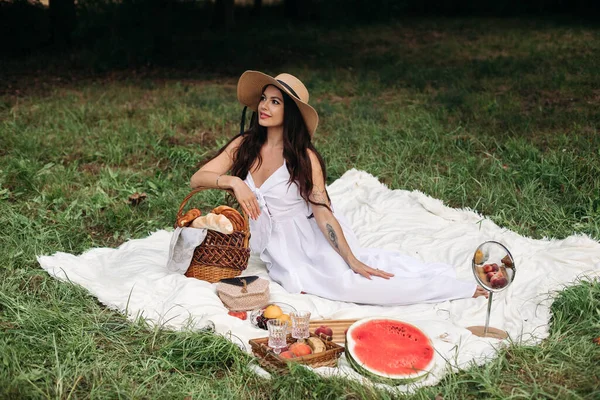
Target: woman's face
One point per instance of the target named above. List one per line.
(270, 108)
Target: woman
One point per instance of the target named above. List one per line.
(278, 178)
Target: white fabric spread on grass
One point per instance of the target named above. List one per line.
(134, 278)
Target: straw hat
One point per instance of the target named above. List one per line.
(251, 84)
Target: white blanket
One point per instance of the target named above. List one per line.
(134, 279)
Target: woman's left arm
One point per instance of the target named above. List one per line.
(329, 225)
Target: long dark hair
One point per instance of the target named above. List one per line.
(296, 143)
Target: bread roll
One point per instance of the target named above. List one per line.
(214, 222)
(238, 222)
(220, 209)
(188, 217)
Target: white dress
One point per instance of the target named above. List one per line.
(299, 257)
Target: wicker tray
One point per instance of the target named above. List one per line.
(273, 363)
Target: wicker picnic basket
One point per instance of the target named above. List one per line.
(273, 363)
(220, 256)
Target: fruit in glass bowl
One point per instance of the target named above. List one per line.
(273, 310)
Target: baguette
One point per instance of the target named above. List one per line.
(214, 222)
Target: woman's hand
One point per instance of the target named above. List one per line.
(366, 271)
(246, 199)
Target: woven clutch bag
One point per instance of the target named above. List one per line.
(246, 297)
(220, 256)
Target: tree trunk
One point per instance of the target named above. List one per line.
(162, 34)
(62, 22)
(299, 9)
(223, 14)
(257, 7)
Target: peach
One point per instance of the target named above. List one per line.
(287, 354)
(499, 282)
(285, 318)
(300, 349)
(272, 311)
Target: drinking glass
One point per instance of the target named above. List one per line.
(300, 325)
(277, 334)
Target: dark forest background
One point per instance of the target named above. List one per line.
(106, 34)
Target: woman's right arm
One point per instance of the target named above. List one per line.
(213, 175)
(217, 168)
(331, 228)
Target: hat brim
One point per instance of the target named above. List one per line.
(249, 91)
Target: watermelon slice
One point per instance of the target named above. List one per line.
(388, 350)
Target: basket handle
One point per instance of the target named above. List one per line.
(201, 188)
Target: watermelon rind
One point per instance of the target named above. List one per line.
(381, 377)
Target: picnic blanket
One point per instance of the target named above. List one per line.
(134, 278)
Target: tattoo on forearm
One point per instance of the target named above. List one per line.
(332, 237)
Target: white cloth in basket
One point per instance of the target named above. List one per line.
(181, 248)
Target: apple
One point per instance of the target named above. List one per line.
(495, 267)
(324, 332)
(490, 275)
(239, 314)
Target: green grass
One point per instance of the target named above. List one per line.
(501, 116)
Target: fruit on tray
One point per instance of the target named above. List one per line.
(389, 350)
(280, 311)
(239, 314)
(261, 322)
(286, 318)
(272, 311)
(316, 344)
(324, 332)
(300, 349)
(287, 354)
